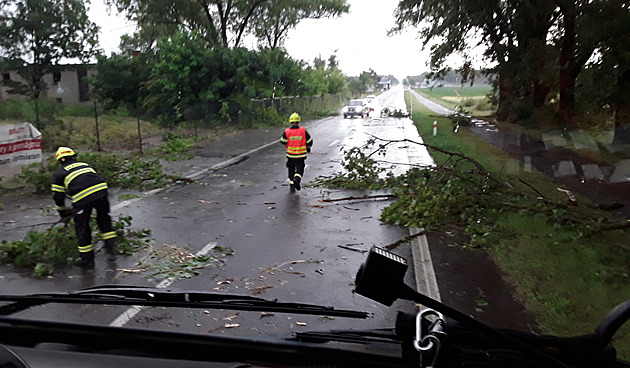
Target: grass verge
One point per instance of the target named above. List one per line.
(569, 280)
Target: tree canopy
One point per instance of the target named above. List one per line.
(274, 19)
(184, 79)
(541, 49)
(222, 23)
(35, 35)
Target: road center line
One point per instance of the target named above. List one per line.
(127, 315)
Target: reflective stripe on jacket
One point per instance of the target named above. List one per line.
(295, 141)
(79, 181)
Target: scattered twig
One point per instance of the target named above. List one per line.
(350, 248)
(53, 224)
(532, 188)
(404, 240)
(260, 289)
(360, 197)
(176, 178)
(279, 267)
(572, 201)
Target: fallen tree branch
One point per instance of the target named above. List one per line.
(457, 154)
(532, 188)
(618, 226)
(271, 270)
(361, 197)
(40, 224)
(350, 248)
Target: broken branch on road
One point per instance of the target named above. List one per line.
(351, 198)
(352, 249)
(271, 270)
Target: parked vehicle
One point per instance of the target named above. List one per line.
(354, 108)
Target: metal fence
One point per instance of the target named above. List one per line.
(304, 105)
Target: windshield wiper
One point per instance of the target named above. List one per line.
(381, 335)
(148, 296)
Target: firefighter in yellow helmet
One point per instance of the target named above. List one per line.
(88, 191)
(298, 143)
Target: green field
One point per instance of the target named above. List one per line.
(470, 98)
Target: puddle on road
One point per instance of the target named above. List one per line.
(555, 155)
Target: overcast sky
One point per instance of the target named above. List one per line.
(359, 39)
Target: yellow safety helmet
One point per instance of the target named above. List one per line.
(64, 152)
(294, 118)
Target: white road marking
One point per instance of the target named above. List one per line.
(127, 315)
(334, 142)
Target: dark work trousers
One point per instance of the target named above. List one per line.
(295, 166)
(82, 213)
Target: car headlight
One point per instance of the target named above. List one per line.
(345, 109)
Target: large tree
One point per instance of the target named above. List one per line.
(222, 23)
(274, 19)
(36, 35)
(119, 80)
(539, 47)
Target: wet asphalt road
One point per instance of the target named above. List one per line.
(285, 245)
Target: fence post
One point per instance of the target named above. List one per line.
(98, 136)
(37, 114)
(139, 135)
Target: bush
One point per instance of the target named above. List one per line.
(55, 134)
(267, 116)
(39, 174)
(13, 110)
(175, 145)
(77, 110)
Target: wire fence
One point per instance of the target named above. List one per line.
(90, 126)
(305, 105)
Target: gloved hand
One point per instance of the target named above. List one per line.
(66, 215)
(308, 149)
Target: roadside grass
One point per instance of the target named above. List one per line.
(471, 98)
(79, 132)
(570, 279)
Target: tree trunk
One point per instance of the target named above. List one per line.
(566, 82)
(541, 90)
(622, 109)
(505, 94)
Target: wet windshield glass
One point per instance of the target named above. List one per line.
(242, 158)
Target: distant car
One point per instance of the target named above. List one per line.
(370, 98)
(355, 108)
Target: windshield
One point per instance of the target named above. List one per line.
(226, 161)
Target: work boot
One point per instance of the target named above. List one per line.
(110, 248)
(87, 260)
(296, 181)
(292, 185)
